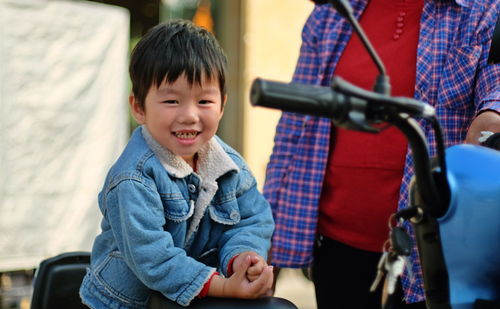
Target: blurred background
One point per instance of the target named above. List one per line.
(64, 115)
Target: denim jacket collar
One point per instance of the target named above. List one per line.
(213, 162)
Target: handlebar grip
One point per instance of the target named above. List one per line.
(296, 98)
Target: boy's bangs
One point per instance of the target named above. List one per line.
(196, 65)
(170, 50)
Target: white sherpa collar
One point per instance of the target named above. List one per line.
(213, 161)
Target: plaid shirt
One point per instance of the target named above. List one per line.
(452, 75)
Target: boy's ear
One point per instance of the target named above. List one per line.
(136, 109)
(224, 101)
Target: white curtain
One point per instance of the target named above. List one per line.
(63, 122)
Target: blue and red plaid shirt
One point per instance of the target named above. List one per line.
(452, 75)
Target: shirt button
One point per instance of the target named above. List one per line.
(192, 188)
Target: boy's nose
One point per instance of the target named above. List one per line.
(188, 114)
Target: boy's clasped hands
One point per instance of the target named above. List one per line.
(251, 278)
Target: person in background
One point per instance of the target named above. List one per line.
(181, 211)
(332, 191)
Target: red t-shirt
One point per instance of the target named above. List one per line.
(364, 170)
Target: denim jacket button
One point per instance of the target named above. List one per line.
(192, 188)
(234, 215)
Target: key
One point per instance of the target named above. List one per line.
(381, 271)
(395, 266)
(401, 242)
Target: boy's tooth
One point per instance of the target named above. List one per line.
(186, 135)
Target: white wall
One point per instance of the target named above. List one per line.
(63, 122)
(271, 41)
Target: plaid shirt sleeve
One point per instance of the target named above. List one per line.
(488, 77)
(289, 128)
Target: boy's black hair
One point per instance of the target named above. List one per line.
(171, 49)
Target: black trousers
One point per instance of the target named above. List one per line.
(342, 277)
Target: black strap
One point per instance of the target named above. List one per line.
(486, 304)
(494, 56)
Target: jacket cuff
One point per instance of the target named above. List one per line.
(230, 270)
(206, 286)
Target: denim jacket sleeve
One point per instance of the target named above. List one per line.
(136, 216)
(254, 230)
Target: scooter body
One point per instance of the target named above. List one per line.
(470, 230)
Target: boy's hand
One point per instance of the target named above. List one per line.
(238, 285)
(258, 264)
(256, 267)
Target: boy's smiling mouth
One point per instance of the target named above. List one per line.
(186, 134)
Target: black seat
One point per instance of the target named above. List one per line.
(57, 281)
(157, 301)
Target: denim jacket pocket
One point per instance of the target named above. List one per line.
(227, 213)
(456, 87)
(177, 209)
(119, 280)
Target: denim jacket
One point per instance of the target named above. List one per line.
(168, 228)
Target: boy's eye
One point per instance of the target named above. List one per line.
(170, 101)
(205, 102)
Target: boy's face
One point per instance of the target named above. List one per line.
(180, 116)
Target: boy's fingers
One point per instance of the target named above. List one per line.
(268, 272)
(254, 272)
(255, 269)
(261, 261)
(260, 285)
(270, 280)
(243, 267)
(255, 259)
(247, 263)
(239, 260)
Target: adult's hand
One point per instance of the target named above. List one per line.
(486, 121)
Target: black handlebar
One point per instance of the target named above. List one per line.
(334, 102)
(353, 108)
(344, 110)
(296, 98)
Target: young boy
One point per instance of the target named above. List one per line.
(178, 203)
